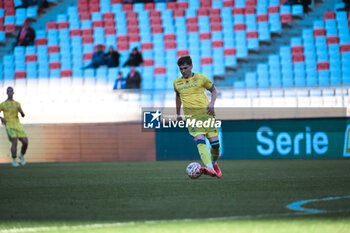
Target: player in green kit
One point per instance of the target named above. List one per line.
(14, 129)
(190, 92)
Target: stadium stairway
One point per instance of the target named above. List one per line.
(277, 40)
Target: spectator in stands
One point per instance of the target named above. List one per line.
(133, 81)
(120, 82)
(135, 58)
(112, 57)
(25, 36)
(98, 58)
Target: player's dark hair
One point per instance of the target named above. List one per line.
(184, 60)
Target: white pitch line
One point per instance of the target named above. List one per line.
(151, 222)
(297, 205)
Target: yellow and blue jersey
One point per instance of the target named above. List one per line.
(192, 94)
(10, 110)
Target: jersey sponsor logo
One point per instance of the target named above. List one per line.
(151, 119)
(187, 87)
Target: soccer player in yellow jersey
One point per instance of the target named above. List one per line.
(14, 129)
(190, 92)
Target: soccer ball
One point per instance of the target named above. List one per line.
(193, 170)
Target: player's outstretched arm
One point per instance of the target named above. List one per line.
(214, 94)
(178, 106)
(21, 111)
(3, 121)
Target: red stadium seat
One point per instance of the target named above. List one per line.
(63, 25)
(150, 6)
(216, 27)
(250, 3)
(10, 28)
(108, 16)
(132, 22)
(332, 40)
(298, 58)
(170, 45)
(41, 42)
(206, 61)
(147, 46)
(263, 18)
(10, 12)
(322, 66)
(87, 56)
(228, 4)
(205, 36)
(115, 2)
(273, 10)
(20, 75)
(94, 8)
(54, 66)
(205, 4)
(97, 24)
(51, 26)
(131, 15)
(74, 33)
(215, 20)
(214, 12)
(123, 47)
(192, 28)
(178, 13)
(154, 14)
(134, 38)
(159, 71)
(156, 21)
(296, 50)
(171, 6)
(319, 32)
(329, 15)
(250, 11)
(148, 63)
(169, 37)
(238, 11)
(86, 32)
(345, 48)
(217, 44)
(240, 27)
(83, 8)
(31, 58)
(128, 7)
(202, 12)
(286, 18)
(53, 49)
(66, 73)
(88, 40)
(181, 53)
(229, 52)
(84, 16)
(252, 35)
(192, 20)
(110, 31)
(182, 5)
(109, 24)
(122, 39)
(157, 30)
(133, 30)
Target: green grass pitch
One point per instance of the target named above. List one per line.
(158, 197)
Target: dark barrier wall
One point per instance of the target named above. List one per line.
(266, 139)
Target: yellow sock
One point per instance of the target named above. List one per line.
(205, 155)
(215, 152)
